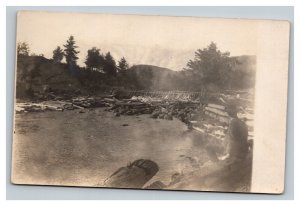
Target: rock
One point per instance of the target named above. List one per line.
(155, 115)
(168, 117)
(161, 116)
(134, 175)
(129, 112)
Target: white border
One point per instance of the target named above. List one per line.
(150, 3)
(4, 3)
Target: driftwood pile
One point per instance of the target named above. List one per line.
(92, 102)
(194, 113)
(155, 107)
(183, 110)
(131, 108)
(61, 105)
(162, 95)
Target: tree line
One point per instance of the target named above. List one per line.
(209, 68)
(95, 60)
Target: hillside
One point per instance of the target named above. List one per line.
(38, 76)
(148, 77)
(245, 62)
(244, 72)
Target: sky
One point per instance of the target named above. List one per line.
(156, 40)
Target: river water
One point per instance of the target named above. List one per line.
(83, 149)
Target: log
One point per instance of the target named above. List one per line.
(109, 100)
(217, 111)
(131, 104)
(76, 106)
(135, 175)
(217, 106)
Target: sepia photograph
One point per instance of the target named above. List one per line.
(148, 102)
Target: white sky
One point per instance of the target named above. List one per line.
(162, 41)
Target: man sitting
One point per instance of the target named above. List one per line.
(237, 136)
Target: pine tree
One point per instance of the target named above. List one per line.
(110, 66)
(122, 64)
(71, 53)
(58, 55)
(210, 66)
(23, 49)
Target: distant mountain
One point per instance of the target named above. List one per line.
(244, 72)
(245, 62)
(149, 77)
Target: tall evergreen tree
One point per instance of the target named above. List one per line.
(71, 53)
(23, 49)
(58, 55)
(110, 66)
(122, 64)
(210, 66)
(94, 59)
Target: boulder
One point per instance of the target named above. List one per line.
(134, 175)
